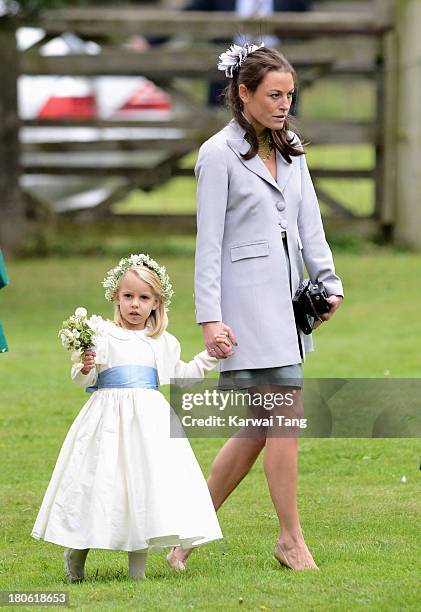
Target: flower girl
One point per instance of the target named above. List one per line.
(121, 482)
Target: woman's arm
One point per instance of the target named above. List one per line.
(316, 251)
(212, 195)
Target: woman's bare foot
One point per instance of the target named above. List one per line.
(177, 558)
(294, 554)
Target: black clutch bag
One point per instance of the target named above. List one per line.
(309, 304)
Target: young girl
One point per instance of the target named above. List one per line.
(121, 482)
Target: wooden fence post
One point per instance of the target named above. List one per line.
(408, 150)
(12, 214)
(388, 124)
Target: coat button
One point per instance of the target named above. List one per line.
(280, 205)
(284, 224)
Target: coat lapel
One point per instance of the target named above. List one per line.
(255, 164)
(283, 171)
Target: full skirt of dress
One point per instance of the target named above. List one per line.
(121, 481)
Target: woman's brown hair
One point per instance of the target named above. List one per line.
(251, 73)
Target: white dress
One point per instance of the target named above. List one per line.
(121, 481)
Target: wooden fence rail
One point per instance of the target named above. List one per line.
(356, 55)
(328, 44)
(119, 23)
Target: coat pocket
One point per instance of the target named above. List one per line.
(250, 249)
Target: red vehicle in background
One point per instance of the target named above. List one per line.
(103, 97)
(79, 98)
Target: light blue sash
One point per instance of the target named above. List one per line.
(126, 377)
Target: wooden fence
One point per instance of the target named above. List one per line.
(356, 43)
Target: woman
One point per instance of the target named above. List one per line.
(258, 220)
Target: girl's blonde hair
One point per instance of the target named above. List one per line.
(158, 320)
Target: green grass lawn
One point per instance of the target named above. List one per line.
(361, 522)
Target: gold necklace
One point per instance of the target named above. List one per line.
(265, 145)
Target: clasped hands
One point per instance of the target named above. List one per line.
(219, 339)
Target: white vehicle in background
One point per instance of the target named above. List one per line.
(85, 98)
(104, 97)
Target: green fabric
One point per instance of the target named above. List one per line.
(4, 279)
(3, 343)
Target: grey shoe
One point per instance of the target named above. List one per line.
(74, 564)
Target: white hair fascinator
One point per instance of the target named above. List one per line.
(234, 56)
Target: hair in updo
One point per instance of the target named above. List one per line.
(251, 73)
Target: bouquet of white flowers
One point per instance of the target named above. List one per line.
(79, 333)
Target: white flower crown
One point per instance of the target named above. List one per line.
(234, 56)
(114, 275)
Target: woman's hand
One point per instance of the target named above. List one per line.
(335, 301)
(219, 349)
(88, 361)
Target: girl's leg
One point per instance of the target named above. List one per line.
(232, 463)
(74, 564)
(280, 465)
(137, 564)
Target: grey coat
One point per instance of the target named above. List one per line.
(241, 275)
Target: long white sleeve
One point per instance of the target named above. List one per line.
(189, 372)
(83, 380)
(197, 367)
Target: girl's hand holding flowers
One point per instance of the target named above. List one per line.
(79, 335)
(88, 361)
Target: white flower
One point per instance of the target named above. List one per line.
(77, 333)
(96, 323)
(110, 282)
(81, 312)
(234, 56)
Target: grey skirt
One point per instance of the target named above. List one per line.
(286, 376)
